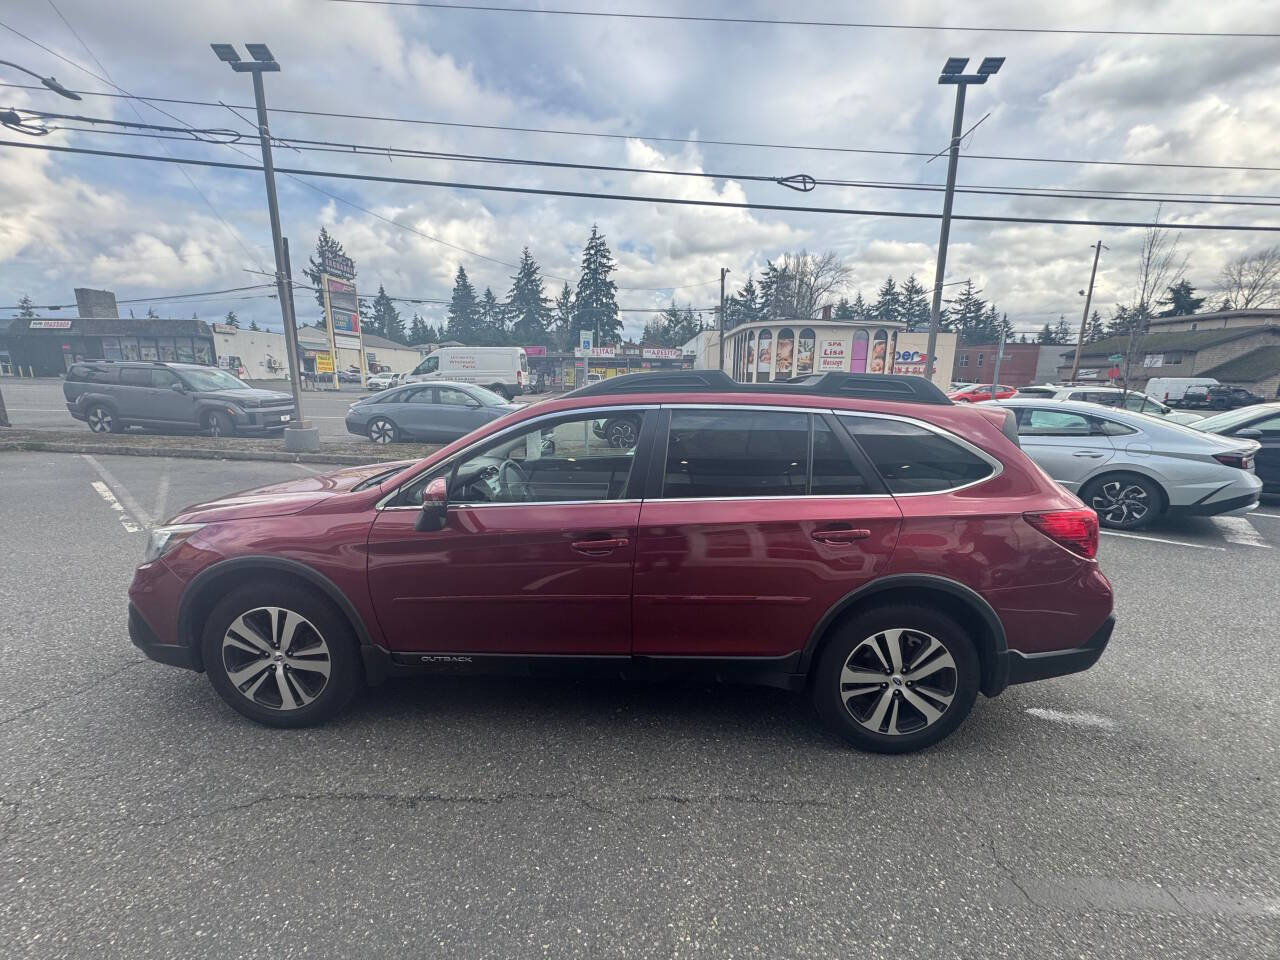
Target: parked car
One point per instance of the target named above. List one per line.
(503, 370)
(1044, 390)
(1219, 397)
(857, 538)
(977, 392)
(1171, 389)
(348, 376)
(1128, 399)
(1260, 423)
(1133, 469)
(380, 381)
(112, 395)
(435, 412)
(619, 432)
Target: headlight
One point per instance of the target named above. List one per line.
(164, 539)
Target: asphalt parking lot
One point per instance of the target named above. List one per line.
(1126, 812)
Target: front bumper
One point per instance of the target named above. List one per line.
(145, 639)
(1026, 667)
(262, 421)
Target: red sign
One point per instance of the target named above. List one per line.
(1113, 373)
(535, 351)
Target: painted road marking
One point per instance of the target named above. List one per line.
(120, 493)
(162, 495)
(105, 492)
(304, 467)
(1074, 719)
(1176, 543)
(1269, 516)
(1239, 530)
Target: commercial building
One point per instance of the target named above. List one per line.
(47, 346)
(1022, 365)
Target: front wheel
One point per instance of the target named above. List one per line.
(102, 419)
(621, 433)
(1123, 501)
(382, 431)
(896, 679)
(218, 424)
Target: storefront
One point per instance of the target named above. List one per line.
(565, 370)
(46, 347)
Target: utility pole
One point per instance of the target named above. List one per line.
(720, 338)
(952, 74)
(1084, 319)
(995, 374)
(298, 434)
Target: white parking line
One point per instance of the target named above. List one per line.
(1239, 530)
(105, 492)
(1269, 516)
(119, 492)
(304, 467)
(1176, 543)
(1074, 719)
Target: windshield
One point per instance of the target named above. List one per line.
(212, 379)
(1225, 421)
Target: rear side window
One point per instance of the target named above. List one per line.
(136, 376)
(1052, 423)
(737, 453)
(834, 474)
(163, 378)
(913, 459)
(81, 373)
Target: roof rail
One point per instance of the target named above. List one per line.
(869, 386)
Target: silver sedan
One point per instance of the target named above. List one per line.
(437, 412)
(1132, 468)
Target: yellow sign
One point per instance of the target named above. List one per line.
(324, 363)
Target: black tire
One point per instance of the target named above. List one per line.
(103, 419)
(218, 424)
(949, 691)
(501, 390)
(1124, 501)
(382, 431)
(622, 433)
(345, 678)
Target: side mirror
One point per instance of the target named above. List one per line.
(435, 507)
(1249, 433)
(177, 388)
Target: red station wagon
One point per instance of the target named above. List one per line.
(857, 537)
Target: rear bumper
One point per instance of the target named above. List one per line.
(145, 639)
(1026, 667)
(1245, 502)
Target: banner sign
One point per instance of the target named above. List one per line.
(49, 325)
(324, 363)
(804, 355)
(833, 357)
(338, 266)
(661, 353)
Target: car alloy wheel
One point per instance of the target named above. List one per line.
(622, 433)
(1121, 503)
(276, 658)
(218, 425)
(100, 419)
(898, 681)
(382, 430)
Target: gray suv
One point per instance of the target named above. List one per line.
(112, 395)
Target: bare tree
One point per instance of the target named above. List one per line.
(802, 283)
(1159, 266)
(1251, 280)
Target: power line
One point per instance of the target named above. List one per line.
(167, 296)
(675, 201)
(109, 259)
(685, 140)
(769, 21)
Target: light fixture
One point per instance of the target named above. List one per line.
(225, 52)
(260, 53)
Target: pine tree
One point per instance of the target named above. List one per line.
(844, 310)
(888, 305)
(26, 307)
(151, 314)
(253, 325)
(743, 307)
(563, 320)
(967, 314)
(324, 244)
(1122, 321)
(1062, 331)
(418, 331)
(386, 320)
(673, 327)
(464, 312)
(596, 304)
(915, 304)
(1045, 337)
(1094, 329)
(860, 309)
(1181, 300)
(492, 325)
(528, 304)
(231, 320)
(1022, 338)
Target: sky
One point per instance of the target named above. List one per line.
(147, 229)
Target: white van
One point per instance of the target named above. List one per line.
(503, 370)
(1171, 389)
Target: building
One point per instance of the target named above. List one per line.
(1241, 355)
(781, 349)
(46, 347)
(254, 354)
(1019, 367)
(1215, 320)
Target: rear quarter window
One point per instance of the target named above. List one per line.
(914, 459)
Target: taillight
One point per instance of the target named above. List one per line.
(519, 378)
(1077, 530)
(1242, 460)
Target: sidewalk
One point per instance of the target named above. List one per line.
(205, 448)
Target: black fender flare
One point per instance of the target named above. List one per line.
(995, 659)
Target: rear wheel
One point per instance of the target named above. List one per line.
(502, 391)
(102, 419)
(1123, 501)
(896, 679)
(621, 433)
(281, 655)
(218, 424)
(383, 431)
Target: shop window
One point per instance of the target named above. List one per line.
(804, 352)
(764, 357)
(111, 348)
(186, 354)
(749, 374)
(129, 349)
(203, 352)
(879, 349)
(149, 349)
(785, 354)
(168, 349)
(858, 358)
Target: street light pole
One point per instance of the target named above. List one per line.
(298, 434)
(1084, 319)
(720, 338)
(952, 73)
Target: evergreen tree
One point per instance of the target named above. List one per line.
(967, 315)
(1122, 321)
(563, 320)
(1045, 337)
(386, 320)
(151, 314)
(464, 312)
(1181, 301)
(324, 244)
(1094, 329)
(743, 307)
(915, 304)
(1062, 331)
(528, 304)
(492, 328)
(595, 304)
(26, 307)
(1022, 338)
(418, 331)
(860, 309)
(843, 310)
(673, 327)
(231, 320)
(888, 305)
(253, 325)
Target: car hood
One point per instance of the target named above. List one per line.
(235, 396)
(288, 497)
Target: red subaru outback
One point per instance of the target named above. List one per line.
(857, 537)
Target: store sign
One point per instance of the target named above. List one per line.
(338, 265)
(1087, 374)
(344, 342)
(224, 328)
(586, 340)
(833, 356)
(535, 351)
(324, 363)
(605, 353)
(341, 308)
(1153, 360)
(911, 362)
(661, 353)
(49, 325)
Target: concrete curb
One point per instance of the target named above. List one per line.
(189, 453)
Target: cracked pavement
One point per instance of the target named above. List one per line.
(471, 818)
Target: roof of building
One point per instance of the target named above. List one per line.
(1253, 366)
(111, 327)
(318, 335)
(1261, 314)
(1188, 340)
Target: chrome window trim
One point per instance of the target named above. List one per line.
(495, 437)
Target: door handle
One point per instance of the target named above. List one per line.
(840, 536)
(590, 547)
(1088, 455)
